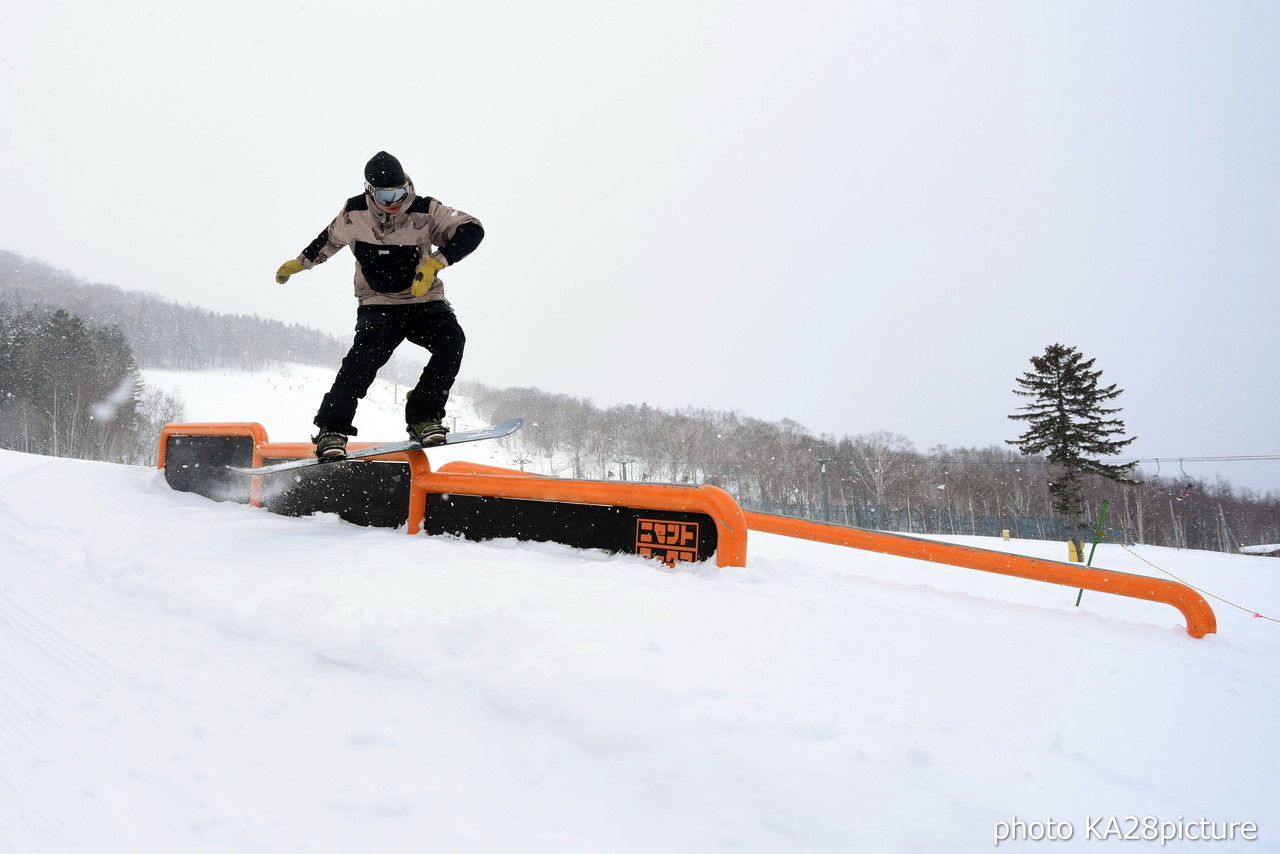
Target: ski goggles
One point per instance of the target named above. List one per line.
(388, 195)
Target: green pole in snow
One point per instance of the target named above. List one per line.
(1097, 535)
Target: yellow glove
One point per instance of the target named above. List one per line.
(425, 276)
(287, 269)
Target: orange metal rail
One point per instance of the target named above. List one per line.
(464, 467)
(462, 478)
(1200, 617)
(252, 429)
(732, 523)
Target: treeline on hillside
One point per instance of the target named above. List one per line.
(873, 480)
(71, 389)
(61, 370)
(164, 334)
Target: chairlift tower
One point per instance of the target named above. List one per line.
(822, 482)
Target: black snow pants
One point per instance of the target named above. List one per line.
(379, 331)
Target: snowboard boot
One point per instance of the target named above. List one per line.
(429, 432)
(330, 445)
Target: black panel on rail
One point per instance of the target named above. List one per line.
(199, 464)
(667, 535)
(377, 494)
(373, 494)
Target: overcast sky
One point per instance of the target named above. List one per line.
(861, 216)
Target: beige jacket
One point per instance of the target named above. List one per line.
(390, 247)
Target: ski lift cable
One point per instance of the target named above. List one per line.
(1181, 460)
(1156, 460)
(1192, 586)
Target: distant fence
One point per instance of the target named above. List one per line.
(877, 518)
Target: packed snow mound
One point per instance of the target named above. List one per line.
(183, 675)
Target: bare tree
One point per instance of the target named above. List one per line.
(880, 460)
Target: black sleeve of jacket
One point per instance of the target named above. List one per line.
(326, 237)
(464, 241)
(312, 252)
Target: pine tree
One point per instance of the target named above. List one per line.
(1069, 423)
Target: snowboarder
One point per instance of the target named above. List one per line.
(401, 241)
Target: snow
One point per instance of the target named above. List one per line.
(184, 675)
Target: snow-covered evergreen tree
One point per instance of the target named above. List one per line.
(1070, 424)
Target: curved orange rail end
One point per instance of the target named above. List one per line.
(1200, 617)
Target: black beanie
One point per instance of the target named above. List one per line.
(383, 170)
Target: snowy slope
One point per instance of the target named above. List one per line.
(182, 675)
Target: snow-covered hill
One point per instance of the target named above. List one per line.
(182, 675)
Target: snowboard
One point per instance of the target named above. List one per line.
(497, 431)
